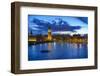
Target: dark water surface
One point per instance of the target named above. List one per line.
(51, 51)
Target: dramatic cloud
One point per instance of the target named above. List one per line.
(84, 19)
(38, 24)
(56, 25)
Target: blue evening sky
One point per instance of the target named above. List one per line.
(38, 24)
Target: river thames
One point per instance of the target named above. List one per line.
(57, 50)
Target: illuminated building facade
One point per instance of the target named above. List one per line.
(49, 34)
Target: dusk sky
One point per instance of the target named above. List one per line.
(38, 24)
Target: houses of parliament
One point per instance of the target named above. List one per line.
(40, 37)
(76, 38)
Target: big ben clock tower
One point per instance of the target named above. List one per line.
(49, 34)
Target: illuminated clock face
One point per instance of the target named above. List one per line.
(49, 30)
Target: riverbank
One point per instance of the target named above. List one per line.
(42, 42)
(38, 42)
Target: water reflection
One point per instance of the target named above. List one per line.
(48, 51)
(49, 46)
